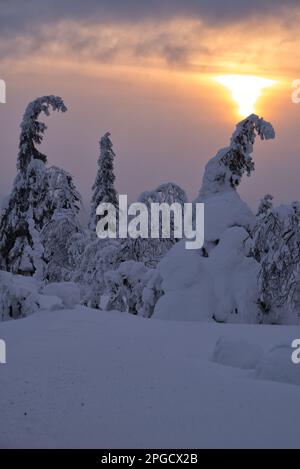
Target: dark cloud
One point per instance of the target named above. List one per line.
(27, 27)
(19, 15)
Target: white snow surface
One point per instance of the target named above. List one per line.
(276, 365)
(237, 353)
(86, 378)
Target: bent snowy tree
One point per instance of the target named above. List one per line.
(28, 208)
(225, 170)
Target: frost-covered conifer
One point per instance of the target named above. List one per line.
(276, 246)
(62, 234)
(62, 193)
(225, 170)
(265, 205)
(28, 208)
(59, 238)
(103, 188)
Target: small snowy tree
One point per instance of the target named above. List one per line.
(121, 286)
(265, 205)
(18, 296)
(28, 208)
(103, 188)
(98, 257)
(149, 250)
(133, 288)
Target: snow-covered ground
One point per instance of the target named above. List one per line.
(85, 378)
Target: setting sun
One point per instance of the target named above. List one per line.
(245, 90)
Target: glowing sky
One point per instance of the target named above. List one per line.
(146, 71)
(245, 90)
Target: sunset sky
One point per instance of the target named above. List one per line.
(145, 71)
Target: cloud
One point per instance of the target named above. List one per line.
(18, 15)
(177, 32)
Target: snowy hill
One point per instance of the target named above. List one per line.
(84, 378)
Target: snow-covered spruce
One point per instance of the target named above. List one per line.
(62, 193)
(103, 188)
(226, 169)
(28, 208)
(61, 236)
(98, 255)
(60, 241)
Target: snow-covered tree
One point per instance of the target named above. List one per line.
(101, 256)
(226, 169)
(18, 296)
(28, 208)
(168, 192)
(223, 206)
(265, 205)
(121, 285)
(220, 277)
(61, 235)
(59, 238)
(98, 257)
(276, 246)
(103, 188)
(149, 250)
(62, 193)
(133, 288)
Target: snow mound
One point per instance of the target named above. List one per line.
(68, 292)
(180, 267)
(237, 353)
(222, 286)
(50, 303)
(18, 296)
(277, 365)
(186, 285)
(174, 307)
(234, 279)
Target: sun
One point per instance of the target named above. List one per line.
(245, 90)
